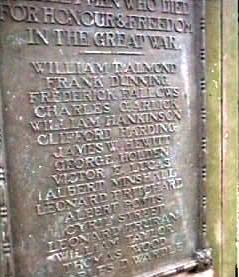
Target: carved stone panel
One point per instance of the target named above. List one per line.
(103, 145)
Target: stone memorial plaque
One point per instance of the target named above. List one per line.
(103, 138)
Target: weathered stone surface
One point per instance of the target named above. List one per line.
(104, 123)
